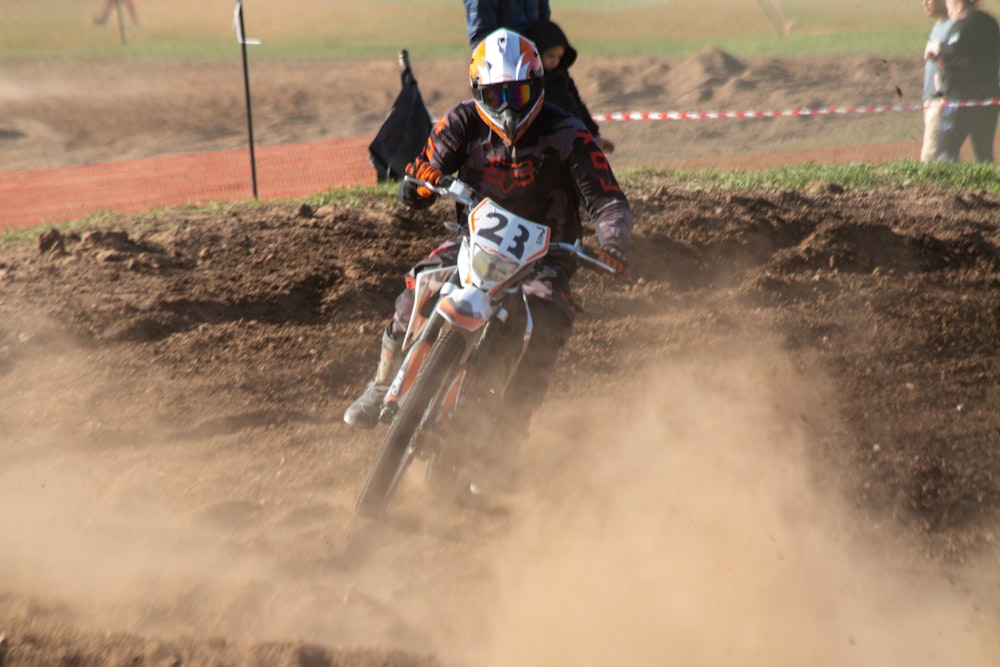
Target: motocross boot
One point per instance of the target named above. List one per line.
(364, 412)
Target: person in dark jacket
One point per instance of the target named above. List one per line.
(558, 55)
(969, 59)
(539, 162)
(484, 16)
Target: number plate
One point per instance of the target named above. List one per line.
(500, 232)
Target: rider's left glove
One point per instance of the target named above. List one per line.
(616, 258)
(425, 171)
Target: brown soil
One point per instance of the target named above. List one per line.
(777, 445)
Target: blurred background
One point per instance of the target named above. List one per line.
(75, 93)
(328, 28)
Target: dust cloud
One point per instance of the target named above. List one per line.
(101, 511)
(682, 525)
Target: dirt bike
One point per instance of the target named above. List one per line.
(469, 328)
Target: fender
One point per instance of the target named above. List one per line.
(467, 308)
(426, 287)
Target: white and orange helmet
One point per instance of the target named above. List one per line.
(507, 80)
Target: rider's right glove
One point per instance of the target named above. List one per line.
(616, 258)
(425, 171)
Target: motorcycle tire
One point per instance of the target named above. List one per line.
(393, 457)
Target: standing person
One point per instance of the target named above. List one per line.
(537, 161)
(484, 16)
(102, 17)
(774, 12)
(558, 55)
(933, 100)
(969, 59)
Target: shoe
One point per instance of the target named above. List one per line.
(364, 412)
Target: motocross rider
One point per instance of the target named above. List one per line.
(535, 160)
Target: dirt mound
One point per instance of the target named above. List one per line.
(695, 80)
(812, 372)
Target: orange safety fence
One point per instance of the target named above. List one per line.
(42, 196)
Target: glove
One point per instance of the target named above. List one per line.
(616, 259)
(425, 171)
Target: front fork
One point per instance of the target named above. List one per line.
(408, 370)
(494, 368)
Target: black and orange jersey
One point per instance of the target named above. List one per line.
(544, 177)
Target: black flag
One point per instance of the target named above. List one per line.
(405, 129)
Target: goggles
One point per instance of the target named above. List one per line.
(515, 95)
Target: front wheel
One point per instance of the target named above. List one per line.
(396, 453)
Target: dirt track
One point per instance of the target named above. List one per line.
(777, 446)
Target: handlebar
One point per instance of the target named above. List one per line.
(456, 190)
(449, 188)
(583, 255)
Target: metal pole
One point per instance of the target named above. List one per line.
(246, 88)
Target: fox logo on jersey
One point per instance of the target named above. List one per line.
(509, 176)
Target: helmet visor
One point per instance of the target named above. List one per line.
(515, 95)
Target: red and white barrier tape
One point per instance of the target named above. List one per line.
(830, 111)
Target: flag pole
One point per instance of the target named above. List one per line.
(246, 89)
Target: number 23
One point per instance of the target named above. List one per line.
(517, 249)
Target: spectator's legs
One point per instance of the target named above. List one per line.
(130, 7)
(932, 129)
(102, 16)
(952, 133)
(982, 131)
